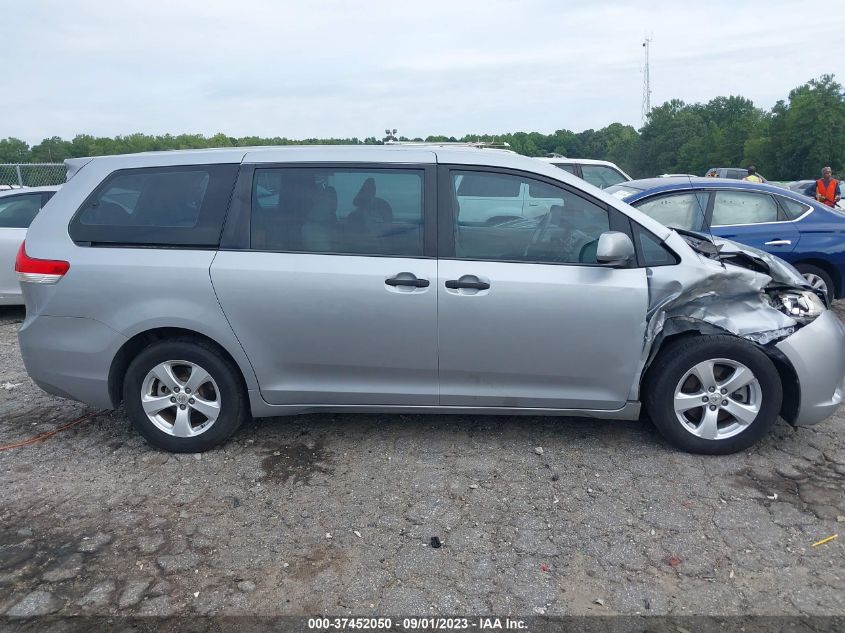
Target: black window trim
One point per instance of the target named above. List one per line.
(212, 246)
(237, 232)
(617, 221)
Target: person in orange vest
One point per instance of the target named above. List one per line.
(827, 188)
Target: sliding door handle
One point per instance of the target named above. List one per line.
(413, 282)
(454, 284)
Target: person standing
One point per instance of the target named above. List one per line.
(752, 175)
(827, 188)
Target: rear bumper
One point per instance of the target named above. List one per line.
(817, 353)
(70, 357)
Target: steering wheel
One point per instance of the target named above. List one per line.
(537, 236)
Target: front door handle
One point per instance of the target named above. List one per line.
(779, 243)
(413, 282)
(454, 284)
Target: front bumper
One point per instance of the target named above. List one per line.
(817, 353)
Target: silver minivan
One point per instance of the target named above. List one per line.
(201, 287)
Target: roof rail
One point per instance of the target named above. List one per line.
(554, 155)
(474, 144)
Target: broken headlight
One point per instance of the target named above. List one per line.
(801, 305)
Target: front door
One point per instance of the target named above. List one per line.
(527, 318)
(334, 299)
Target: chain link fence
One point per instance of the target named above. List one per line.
(14, 175)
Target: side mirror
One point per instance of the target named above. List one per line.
(614, 249)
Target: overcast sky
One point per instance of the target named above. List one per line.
(331, 68)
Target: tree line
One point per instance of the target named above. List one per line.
(793, 140)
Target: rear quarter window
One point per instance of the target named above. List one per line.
(183, 205)
(792, 208)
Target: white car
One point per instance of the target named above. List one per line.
(18, 207)
(600, 173)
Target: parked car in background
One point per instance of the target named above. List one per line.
(733, 173)
(805, 233)
(600, 173)
(202, 287)
(808, 188)
(18, 207)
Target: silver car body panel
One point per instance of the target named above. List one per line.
(329, 330)
(289, 315)
(817, 353)
(261, 408)
(529, 340)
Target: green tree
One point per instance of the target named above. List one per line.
(14, 150)
(808, 131)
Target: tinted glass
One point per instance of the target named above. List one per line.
(601, 176)
(17, 212)
(565, 167)
(679, 210)
(555, 226)
(652, 252)
(374, 212)
(793, 208)
(482, 185)
(158, 206)
(740, 207)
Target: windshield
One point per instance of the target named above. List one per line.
(621, 191)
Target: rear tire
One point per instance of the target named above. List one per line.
(712, 395)
(817, 278)
(184, 396)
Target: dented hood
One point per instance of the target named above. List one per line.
(744, 256)
(781, 272)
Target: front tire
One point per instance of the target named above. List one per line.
(713, 395)
(184, 395)
(818, 279)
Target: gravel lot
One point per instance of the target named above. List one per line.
(335, 514)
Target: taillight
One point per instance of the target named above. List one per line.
(38, 271)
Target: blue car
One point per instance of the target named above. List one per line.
(808, 235)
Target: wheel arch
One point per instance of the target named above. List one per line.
(788, 376)
(134, 345)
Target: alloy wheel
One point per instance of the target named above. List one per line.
(180, 398)
(717, 399)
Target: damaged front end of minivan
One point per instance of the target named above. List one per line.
(747, 293)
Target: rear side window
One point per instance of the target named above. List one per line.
(792, 208)
(742, 207)
(17, 212)
(182, 205)
(601, 176)
(565, 167)
(349, 211)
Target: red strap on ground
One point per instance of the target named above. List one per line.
(48, 434)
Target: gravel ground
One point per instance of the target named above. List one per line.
(336, 514)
